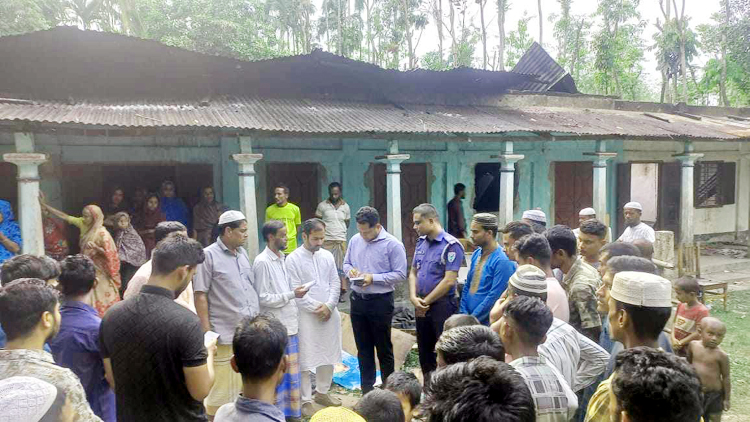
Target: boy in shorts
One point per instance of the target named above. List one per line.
(712, 365)
(689, 314)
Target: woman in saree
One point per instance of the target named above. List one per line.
(97, 244)
(10, 233)
(55, 241)
(145, 221)
(206, 216)
(130, 248)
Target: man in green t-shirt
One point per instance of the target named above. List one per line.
(286, 212)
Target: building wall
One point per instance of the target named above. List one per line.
(348, 161)
(733, 218)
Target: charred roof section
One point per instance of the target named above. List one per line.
(66, 63)
(551, 76)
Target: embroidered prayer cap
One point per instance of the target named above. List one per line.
(485, 219)
(231, 216)
(535, 215)
(336, 414)
(634, 205)
(530, 279)
(587, 212)
(25, 399)
(642, 289)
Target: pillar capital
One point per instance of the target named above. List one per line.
(688, 159)
(393, 158)
(247, 158)
(508, 161)
(22, 158)
(601, 158)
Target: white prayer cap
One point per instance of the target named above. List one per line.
(587, 212)
(634, 205)
(529, 279)
(231, 216)
(535, 215)
(642, 289)
(25, 398)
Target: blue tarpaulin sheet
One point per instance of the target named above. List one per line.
(348, 375)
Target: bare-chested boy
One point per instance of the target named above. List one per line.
(712, 365)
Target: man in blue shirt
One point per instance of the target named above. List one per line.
(76, 346)
(432, 282)
(489, 272)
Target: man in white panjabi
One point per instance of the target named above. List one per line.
(319, 320)
(634, 228)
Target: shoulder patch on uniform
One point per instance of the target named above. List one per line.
(451, 256)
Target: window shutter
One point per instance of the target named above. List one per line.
(696, 185)
(728, 176)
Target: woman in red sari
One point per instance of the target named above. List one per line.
(145, 222)
(97, 244)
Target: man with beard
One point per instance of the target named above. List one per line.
(489, 272)
(153, 349)
(30, 315)
(634, 228)
(276, 296)
(319, 320)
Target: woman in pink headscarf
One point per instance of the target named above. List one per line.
(97, 244)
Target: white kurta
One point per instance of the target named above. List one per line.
(319, 342)
(640, 231)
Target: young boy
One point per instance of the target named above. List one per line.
(259, 345)
(689, 314)
(380, 406)
(460, 320)
(407, 388)
(712, 365)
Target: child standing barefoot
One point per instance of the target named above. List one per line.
(712, 365)
(689, 314)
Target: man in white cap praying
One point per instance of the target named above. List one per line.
(537, 218)
(224, 295)
(634, 227)
(639, 307)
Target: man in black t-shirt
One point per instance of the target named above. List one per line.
(153, 348)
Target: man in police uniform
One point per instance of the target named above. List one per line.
(432, 282)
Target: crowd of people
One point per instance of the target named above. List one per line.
(551, 324)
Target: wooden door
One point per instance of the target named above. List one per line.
(623, 196)
(414, 191)
(670, 187)
(303, 181)
(574, 190)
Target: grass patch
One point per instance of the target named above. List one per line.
(737, 345)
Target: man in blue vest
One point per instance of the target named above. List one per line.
(432, 282)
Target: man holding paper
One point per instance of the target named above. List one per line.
(375, 262)
(319, 321)
(224, 295)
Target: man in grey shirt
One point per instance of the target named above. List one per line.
(224, 295)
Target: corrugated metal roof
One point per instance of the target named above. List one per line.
(325, 116)
(536, 61)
